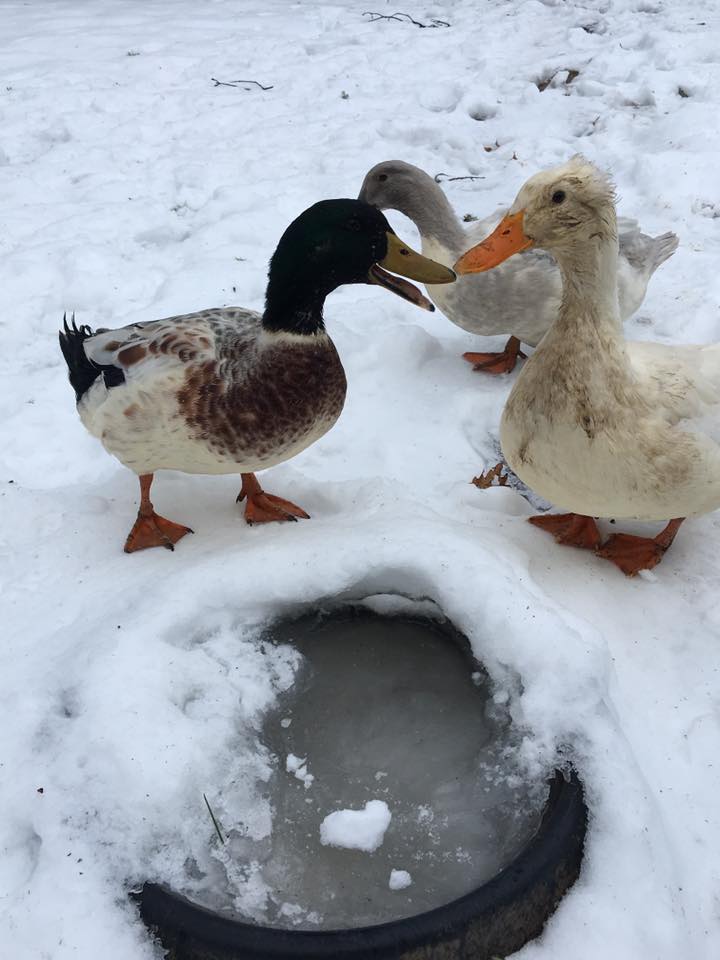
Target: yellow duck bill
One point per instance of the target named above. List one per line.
(403, 260)
(506, 239)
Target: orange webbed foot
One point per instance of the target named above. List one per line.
(570, 529)
(497, 363)
(153, 530)
(264, 507)
(633, 554)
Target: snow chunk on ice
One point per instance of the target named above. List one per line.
(298, 767)
(399, 879)
(357, 829)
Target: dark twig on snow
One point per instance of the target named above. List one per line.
(439, 177)
(237, 83)
(218, 831)
(404, 18)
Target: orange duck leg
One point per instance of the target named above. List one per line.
(502, 362)
(633, 554)
(150, 529)
(264, 507)
(570, 529)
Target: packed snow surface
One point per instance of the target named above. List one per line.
(357, 829)
(131, 188)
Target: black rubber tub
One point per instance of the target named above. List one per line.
(494, 920)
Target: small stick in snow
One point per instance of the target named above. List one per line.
(215, 823)
(405, 17)
(237, 83)
(440, 176)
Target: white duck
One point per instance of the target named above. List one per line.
(597, 425)
(521, 297)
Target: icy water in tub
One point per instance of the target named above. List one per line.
(386, 711)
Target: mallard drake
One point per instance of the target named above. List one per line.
(232, 390)
(521, 297)
(597, 425)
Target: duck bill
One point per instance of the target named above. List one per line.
(507, 239)
(403, 260)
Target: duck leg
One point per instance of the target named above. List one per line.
(264, 507)
(151, 530)
(633, 554)
(502, 362)
(570, 529)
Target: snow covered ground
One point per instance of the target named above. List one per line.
(133, 188)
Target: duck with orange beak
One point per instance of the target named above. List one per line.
(597, 425)
(522, 297)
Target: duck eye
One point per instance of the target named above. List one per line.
(354, 225)
(382, 177)
(558, 196)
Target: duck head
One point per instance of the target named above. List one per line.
(557, 209)
(394, 184)
(336, 242)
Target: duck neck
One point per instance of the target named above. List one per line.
(589, 305)
(430, 211)
(294, 307)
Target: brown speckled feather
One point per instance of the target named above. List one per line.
(211, 392)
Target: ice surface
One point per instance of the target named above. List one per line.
(415, 768)
(357, 829)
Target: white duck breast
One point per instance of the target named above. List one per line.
(633, 437)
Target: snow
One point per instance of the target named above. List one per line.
(399, 879)
(357, 829)
(132, 188)
(298, 767)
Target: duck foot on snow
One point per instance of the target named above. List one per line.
(264, 507)
(502, 362)
(628, 552)
(570, 529)
(633, 554)
(150, 529)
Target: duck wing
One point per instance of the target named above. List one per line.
(682, 383)
(145, 350)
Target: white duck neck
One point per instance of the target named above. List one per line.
(432, 214)
(589, 278)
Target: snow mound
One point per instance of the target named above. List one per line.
(357, 829)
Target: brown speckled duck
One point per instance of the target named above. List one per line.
(232, 390)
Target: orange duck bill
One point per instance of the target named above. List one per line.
(507, 238)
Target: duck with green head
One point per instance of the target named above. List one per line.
(231, 390)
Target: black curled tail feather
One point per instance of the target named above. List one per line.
(83, 372)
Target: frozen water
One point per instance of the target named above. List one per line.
(357, 829)
(415, 769)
